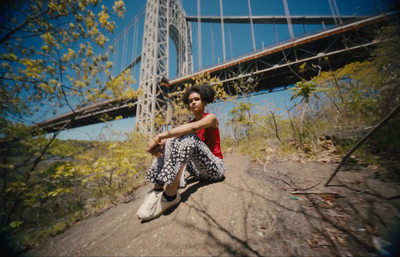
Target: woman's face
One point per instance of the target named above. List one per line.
(196, 105)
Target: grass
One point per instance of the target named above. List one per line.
(257, 146)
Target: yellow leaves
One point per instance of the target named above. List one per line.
(103, 17)
(101, 40)
(112, 146)
(302, 67)
(94, 73)
(52, 6)
(94, 31)
(69, 55)
(53, 81)
(75, 35)
(59, 191)
(66, 39)
(7, 166)
(119, 7)
(130, 94)
(89, 51)
(80, 27)
(6, 66)
(65, 170)
(81, 6)
(50, 70)
(79, 17)
(16, 187)
(89, 22)
(49, 88)
(78, 71)
(48, 39)
(94, 2)
(109, 65)
(11, 57)
(84, 63)
(79, 84)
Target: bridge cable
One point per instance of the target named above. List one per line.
(289, 22)
(252, 29)
(222, 30)
(199, 33)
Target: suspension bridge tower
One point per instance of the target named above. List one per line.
(164, 19)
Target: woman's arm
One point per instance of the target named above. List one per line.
(209, 121)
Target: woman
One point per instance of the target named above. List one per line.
(194, 146)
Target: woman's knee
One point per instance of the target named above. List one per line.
(190, 136)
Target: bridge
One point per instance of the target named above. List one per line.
(339, 40)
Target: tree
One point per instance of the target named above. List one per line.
(357, 95)
(48, 60)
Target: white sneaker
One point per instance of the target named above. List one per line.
(150, 200)
(162, 205)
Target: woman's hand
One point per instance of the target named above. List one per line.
(155, 149)
(150, 145)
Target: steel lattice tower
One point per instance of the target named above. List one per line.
(164, 18)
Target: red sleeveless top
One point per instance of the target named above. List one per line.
(210, 136)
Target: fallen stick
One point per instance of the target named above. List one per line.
(297, 188)
(334, 243)
(308, 188)
(313, 193)
(289, 188)
(287, 183)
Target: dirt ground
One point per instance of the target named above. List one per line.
(256, 211)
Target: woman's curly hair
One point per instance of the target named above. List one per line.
(206, 92)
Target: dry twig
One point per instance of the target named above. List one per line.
(287, 183)
(308, 188)
(334, 243)
(314, 193)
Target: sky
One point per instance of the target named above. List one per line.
(238, 41)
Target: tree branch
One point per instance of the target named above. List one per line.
(276, 128)
(376, 128)
(10, 33)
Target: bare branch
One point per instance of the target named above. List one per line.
(10, 33)
(276, 127)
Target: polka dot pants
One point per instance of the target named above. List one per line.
(200, 161)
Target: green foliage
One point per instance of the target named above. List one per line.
(305, 90)
(16, 224)
(240, 120)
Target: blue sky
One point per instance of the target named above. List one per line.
(240, 43)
